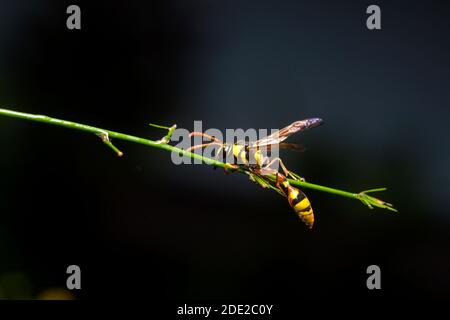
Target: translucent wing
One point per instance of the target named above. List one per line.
(283, 134)
(284, 145)
(292, 146)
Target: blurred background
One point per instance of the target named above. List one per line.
(142, 227)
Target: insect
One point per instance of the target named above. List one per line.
(296, 198)
(251, 158)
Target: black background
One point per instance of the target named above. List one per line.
(141, 227)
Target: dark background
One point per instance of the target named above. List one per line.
(141, 227)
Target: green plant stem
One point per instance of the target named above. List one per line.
(308, 185)
(105, 135)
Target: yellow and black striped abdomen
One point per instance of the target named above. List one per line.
(301, 205)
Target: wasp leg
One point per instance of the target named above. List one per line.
(285, 170)
(297, 177)
(198, 146)
(258, 179)
(267, 171)
(230, 168)
(263, 182)
(222, 152)
(279, 178)
(214, 140)
(202, 134)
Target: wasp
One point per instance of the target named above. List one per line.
(252, 159)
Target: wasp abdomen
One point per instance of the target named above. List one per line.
(305, 214)
(301, 205)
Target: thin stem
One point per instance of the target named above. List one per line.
(323, 188)
(105, 135)
(105, 138)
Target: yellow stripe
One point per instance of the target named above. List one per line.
(305, 213)
(258, 157)
(302, 205)
(293, 194)
(239, 152)
(307, 218)
(236, 150)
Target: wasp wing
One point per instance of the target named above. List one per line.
(292, 146)
(283, 145)
(286, 132)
